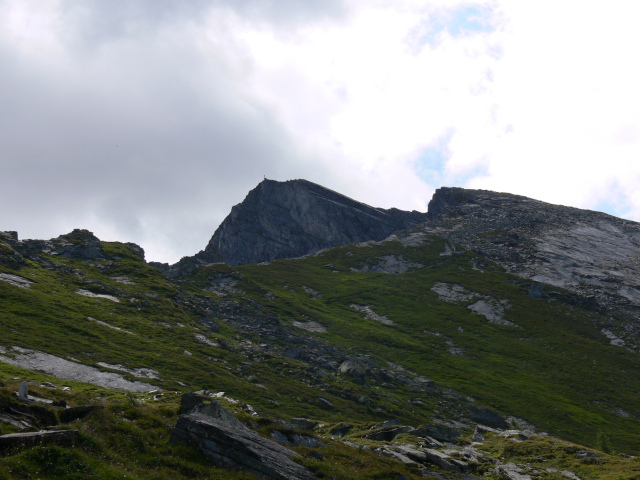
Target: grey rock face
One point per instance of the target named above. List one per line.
(79, 244)
(489, 417)
(439, 432)
(59, 437)
(592, 254)
(295, 218)
(234, 448)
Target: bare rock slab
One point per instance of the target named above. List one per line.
(238, 449)
(58, 437)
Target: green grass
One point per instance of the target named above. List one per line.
(555, 369)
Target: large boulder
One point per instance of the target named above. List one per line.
(221, 437)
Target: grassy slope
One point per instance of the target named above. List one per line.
(555, 369)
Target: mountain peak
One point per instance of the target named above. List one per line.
(297, 217)
(294, 218)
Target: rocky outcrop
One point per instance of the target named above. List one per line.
(589, 253)
(291, 219)
(236, 448)
(79, 244)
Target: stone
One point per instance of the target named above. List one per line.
(23, 391)
(429, 442)
(238, 449)
(77, 413)
(491, 309)
(354, 371)
(192, 402)
(482, 429)
(439, 432)
(536, 290)
(489, 417)
(392, 453)
(515, 435)
(582, 454)
(388, 423)
(79, 245)
(311, 326)
(511, 471)
(15, 280)
(429, 455)
(58, 437)
(386, 434)
(296, 439)
(304, 423)
(189, 401)
(20, 423)
(280, 437)
(305, 441)
(341, 429)
(68, 370)
(36, 414)
(370, 314)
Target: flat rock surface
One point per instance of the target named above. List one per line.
(67, 370)
(368, 312)
(15, 280)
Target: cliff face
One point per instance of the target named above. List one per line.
(297, 217)
(589, 253)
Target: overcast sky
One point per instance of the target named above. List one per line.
(146, 120)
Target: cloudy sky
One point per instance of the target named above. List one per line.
(147, 120)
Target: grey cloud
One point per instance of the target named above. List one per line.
(91, 23)
(289, 12)
(155, 142)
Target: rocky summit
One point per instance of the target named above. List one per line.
(493, 337)
(592, 254)
(295, 218)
